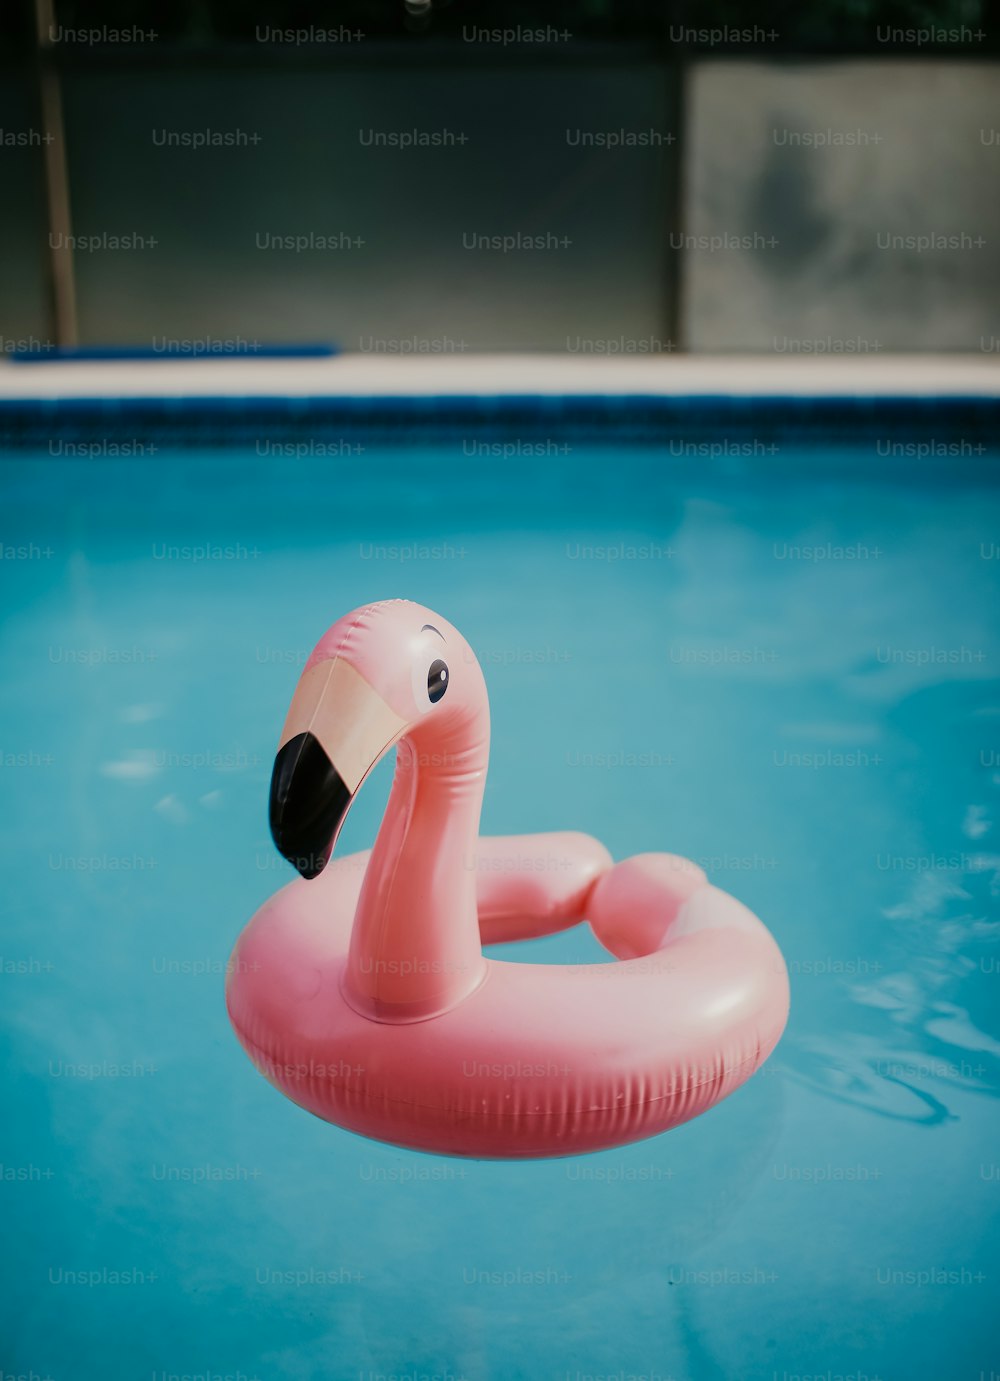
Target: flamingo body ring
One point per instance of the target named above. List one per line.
(361, 990)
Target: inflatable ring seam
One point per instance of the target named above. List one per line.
(254, 1049)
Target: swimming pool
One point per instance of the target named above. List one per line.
(776, 657)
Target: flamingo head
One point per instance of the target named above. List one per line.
(386, 672)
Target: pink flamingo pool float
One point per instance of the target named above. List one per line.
(361, 989)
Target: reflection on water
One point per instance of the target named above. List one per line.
(941, 923)
(907, 1085)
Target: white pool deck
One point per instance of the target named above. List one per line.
(380, 375)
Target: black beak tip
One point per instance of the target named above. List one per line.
(309, 799)
(307, 865)
(309, 868)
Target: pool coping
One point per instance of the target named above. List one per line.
(511, 405)
(394, 376)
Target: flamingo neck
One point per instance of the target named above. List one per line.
(415, 947)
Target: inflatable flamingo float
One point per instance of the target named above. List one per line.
(361, 989)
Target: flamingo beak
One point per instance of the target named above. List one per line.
(309, 800)
(337, 728)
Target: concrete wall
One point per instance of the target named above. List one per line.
(794, 228)
(511, 171)
(908, 149)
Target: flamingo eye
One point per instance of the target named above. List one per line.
(437, 681)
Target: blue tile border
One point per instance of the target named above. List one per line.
(235, 421)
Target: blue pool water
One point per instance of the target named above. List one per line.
(785, 668)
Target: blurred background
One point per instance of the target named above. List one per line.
(427, 178)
